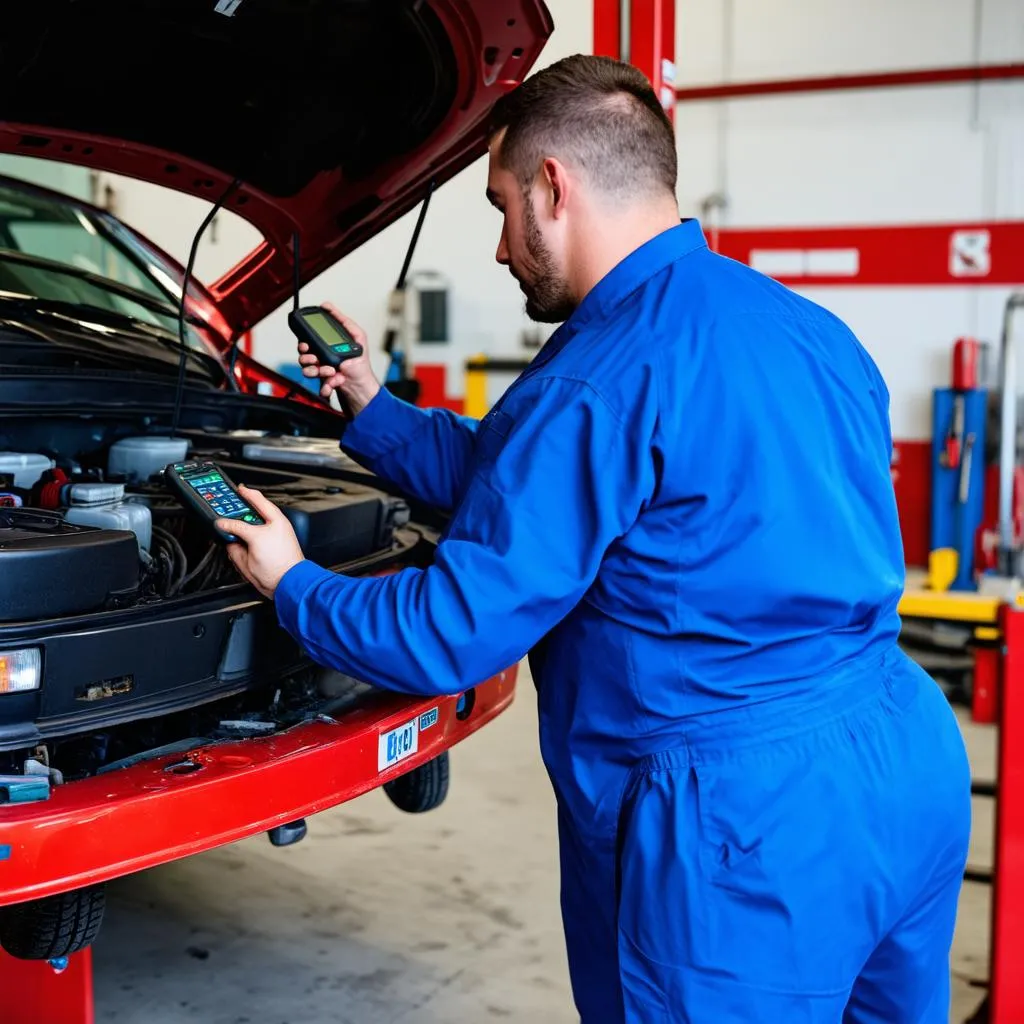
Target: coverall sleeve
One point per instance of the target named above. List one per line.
(559, 476)
(424, 452)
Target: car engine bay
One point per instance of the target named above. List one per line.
(101, 531)
(135, 607)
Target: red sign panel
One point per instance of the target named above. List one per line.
(913, 254)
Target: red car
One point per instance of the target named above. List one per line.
(150, 706)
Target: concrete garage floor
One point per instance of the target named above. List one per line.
(379, 917)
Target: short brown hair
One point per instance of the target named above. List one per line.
(600, 116)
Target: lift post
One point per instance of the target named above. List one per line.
(35, 992)
(1006, 979)
(642, 32)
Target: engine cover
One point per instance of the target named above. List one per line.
(338, 525)
(50, 568)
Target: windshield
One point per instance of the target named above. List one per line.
(76, 254)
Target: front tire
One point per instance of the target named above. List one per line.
(421, 789)
(55, 926)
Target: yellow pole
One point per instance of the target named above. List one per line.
(475, 404)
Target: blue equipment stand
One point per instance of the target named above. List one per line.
(958, 485)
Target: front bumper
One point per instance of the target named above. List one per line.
(164, 657)
(170, 807)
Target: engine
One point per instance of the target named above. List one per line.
(80, 538)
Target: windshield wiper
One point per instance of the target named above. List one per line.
(131, 327)
(124, 290)
(115, 316)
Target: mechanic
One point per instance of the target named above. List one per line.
(683, 513)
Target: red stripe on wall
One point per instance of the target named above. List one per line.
(982, 253)
(834, 83)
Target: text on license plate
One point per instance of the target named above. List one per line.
(398, 744)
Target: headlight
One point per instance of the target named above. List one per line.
(20, 671)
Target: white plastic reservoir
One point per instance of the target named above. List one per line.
(139, 458)
(104, 506)
(27, 467)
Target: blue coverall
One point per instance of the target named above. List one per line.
(683, 512)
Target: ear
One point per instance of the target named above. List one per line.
(555, 179)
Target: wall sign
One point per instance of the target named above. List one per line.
(970, 254)
(896, 254)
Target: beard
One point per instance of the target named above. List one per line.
(548, 297)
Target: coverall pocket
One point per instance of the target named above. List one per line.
(491, 434)
(723, 874)
(660, 878)
(783, 844)
(640, 936)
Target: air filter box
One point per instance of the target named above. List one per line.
(49, 568)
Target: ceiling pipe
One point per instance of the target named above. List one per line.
(837, 83)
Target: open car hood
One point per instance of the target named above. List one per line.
(334, 115)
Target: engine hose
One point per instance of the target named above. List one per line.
(179, 560)
(211, 551)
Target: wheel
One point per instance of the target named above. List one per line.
(55, 926)
(422, 789)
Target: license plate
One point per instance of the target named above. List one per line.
(398, 744)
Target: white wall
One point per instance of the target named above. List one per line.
(895, 156)
(892, 156)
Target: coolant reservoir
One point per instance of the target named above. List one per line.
(139, 458)
(26, 467)
(104, 505)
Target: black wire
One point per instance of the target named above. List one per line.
(415, 237)
(184, 294)
(389, 340)
(178, 558)
(163, 563)
(390, 334)
(233, 354)
(214, 574)
(232, 359)
(211, 551)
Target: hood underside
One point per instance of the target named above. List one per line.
(334, 115)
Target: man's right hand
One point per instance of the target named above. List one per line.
(353, 379)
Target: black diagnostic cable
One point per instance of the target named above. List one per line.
(296, 287)
(391, 333)
(179, 393)
(296, 274)
(390, 336)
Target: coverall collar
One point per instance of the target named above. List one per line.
(623, 279)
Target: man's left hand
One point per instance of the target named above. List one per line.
(266, 552)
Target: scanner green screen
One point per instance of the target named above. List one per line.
(329, 332)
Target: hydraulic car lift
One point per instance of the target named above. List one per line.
(998, 698)
(110, 825)
(996, 614)
(642, 32)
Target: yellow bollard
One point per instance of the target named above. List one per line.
(475, 404)
(942, 568)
